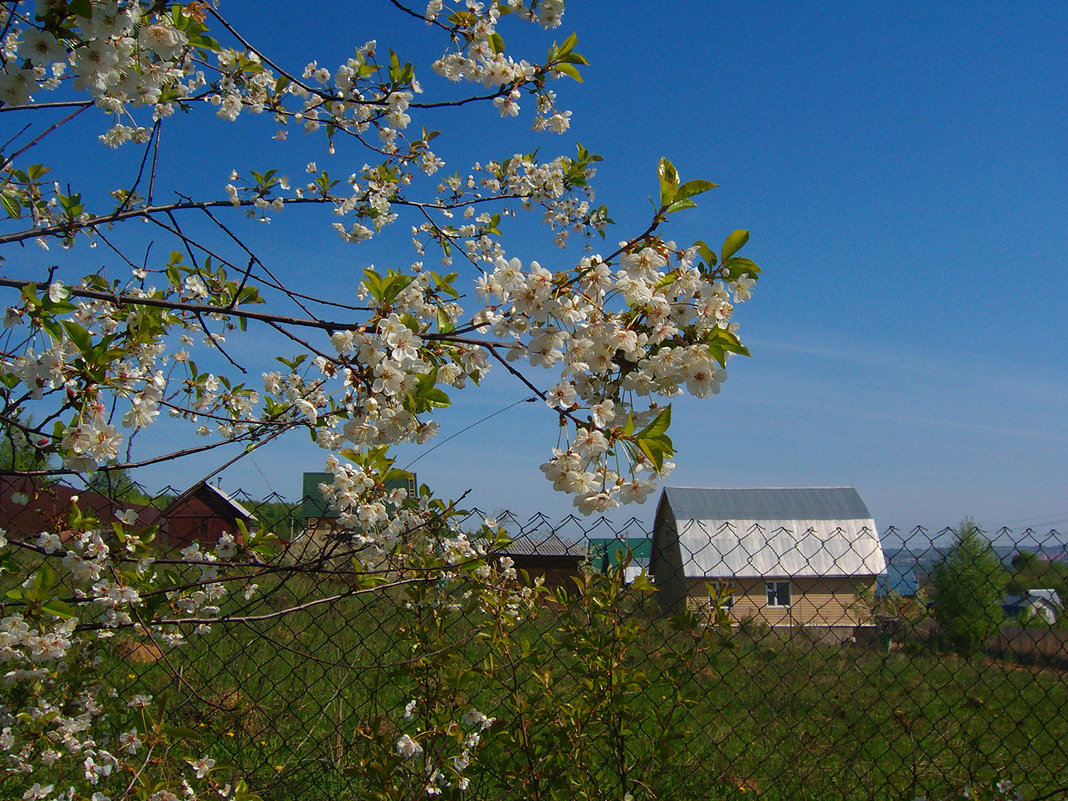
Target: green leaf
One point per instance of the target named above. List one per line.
(733, 243)
(78, 335)
(445, 324)
(695, 187)
(740, 265)
(659, 426)
(569, 71)
(182, 733)
(721, 342)
(573, 58)
(58, 608)
(395, 285)
(11, 206)
(497, 43)
(679, 205)
(426, 395)
(43, 582)
(654, 441)
(706, 252)
(669, 182)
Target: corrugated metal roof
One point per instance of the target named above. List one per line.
(1050, 596)
(766, 503)
(754, 533)
(535, 545)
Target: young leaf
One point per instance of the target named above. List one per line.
(696, 187)
(706, 252)
(654, 441)
(678, 205)
(733, 243)
(569, 71)
(58, 608)
(669, 182)
(11, 206)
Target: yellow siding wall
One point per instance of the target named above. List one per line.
(830, 601)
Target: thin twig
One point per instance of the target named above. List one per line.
(40, 136)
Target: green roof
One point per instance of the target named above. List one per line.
(314, 505)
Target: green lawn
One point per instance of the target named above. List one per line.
(298, 703)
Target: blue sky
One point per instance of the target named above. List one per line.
(902, 169)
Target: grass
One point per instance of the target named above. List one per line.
(300, 702)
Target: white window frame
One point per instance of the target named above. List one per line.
(718, 586)
(771, 591)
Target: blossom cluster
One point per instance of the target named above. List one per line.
(87, 363)
(618, 336)
(55, 702)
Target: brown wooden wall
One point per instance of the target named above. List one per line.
(556, 571)
(199, 518)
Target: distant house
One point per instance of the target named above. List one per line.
(1042, 604)
(544, 556)
(784, 557)
(202, 514)
(610, 552)
(319, 517)
(30, 506)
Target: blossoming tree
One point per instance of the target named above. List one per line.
(157, 333)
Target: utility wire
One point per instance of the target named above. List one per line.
(468, 428)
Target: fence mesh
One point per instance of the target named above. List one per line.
(828, 679)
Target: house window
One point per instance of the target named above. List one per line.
(778, 593)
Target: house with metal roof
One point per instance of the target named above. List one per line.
(320, 517)
(780, 556)
(614, 552)
(1042, 604)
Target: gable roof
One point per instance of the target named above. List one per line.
(765, 503)
(769, 532)
(1029, 598)
(211, 495)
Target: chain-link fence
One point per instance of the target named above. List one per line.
(838, 663)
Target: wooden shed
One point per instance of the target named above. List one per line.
(782, 557)
(202, 514)
(545, 556)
